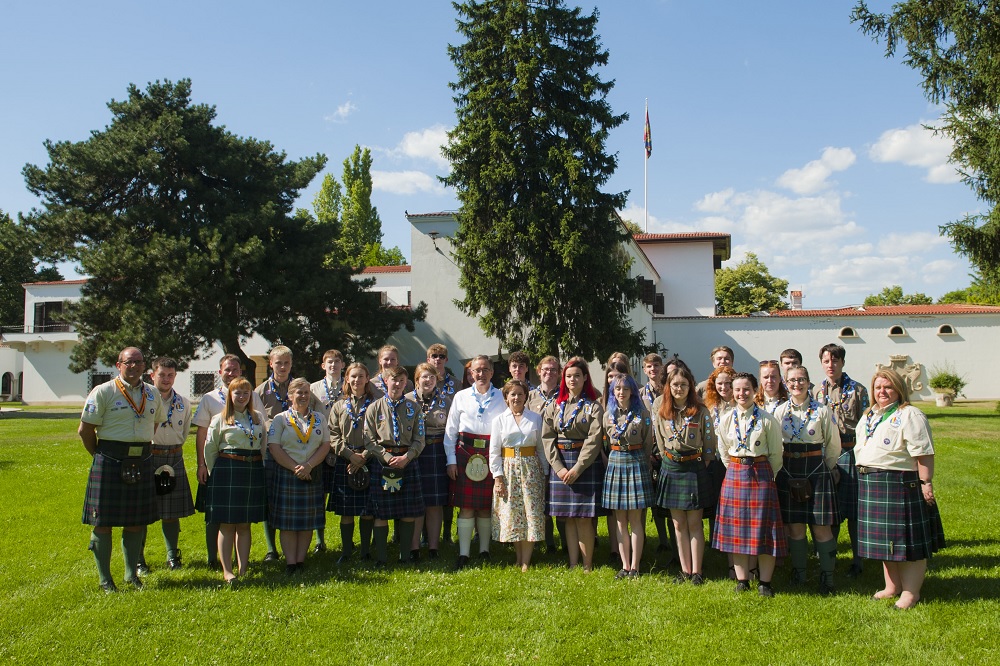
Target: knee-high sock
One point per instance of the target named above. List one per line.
(827, 556)
(485, 527)
(380, 540)
(321, 536)
(405, 531)
(798, 551)
(366, 536)
(100, 545)
(212, 543)
(142, 547)
(131, 549)
(171, 534)
(346, 538)
(269, 538)
(465, 527)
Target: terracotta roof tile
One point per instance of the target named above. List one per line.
(386, 269)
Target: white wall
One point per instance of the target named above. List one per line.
(687, 277)
(396, 285)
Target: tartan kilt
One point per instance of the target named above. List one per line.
(895, 524)
(434, 471)
(847, 489)
(295, 505)
(628, 484)
(407, 502)
(177, 503)
(236, 491)
(747, 516)
(465, 493)
(344, 500)
(821, 509)
(582, 499)
(717, 474)
(521, 517)
(685, 486)
(328, 476)
(110, 502)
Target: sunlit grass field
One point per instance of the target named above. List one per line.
(52, 611)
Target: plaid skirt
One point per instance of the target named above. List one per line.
(847, 489)
(747, 516)
(236, 491)
(407, 502)
(463, 491)
(344, 500)
(628, 483)
(521, 517)
(434, 471)
(328, 476)
(717, 475)
(582, 499)
(177, 503)
(295, 505)
(110, 502)
(685, 486)
(895, 524)
(821, 509)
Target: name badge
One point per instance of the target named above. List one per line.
(479, 444)
(134, 451)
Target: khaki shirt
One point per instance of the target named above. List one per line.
(281, 432)
(648, 396)
(435, 410)
(274, 399)
(176, 422)
(683, 435)
(379, 387)
(895, 441)
(378, 428)
(326, 394)
(214, 402)
(848, 401)
(347, 435)
(222, 437)
(107, 408)
(586, 425)
(762, 439)
(538, 400)
(638, 432)
(820, 428)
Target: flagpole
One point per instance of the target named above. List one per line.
(645, 172)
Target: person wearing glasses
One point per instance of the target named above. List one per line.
(437, 356)
(117, 426)
(549, 371)
(434, 402)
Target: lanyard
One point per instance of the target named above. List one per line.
(141, 407)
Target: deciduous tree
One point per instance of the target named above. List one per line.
(894, 296)
(749, 287)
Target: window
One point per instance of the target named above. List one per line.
(202, 383)
(897, 331)
(848, 332)
(946, 329)
(7, 384)
(47, 315)
(98, 378)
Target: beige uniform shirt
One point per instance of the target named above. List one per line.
(819, 429)
(109, 410)
(313, 427)
(347, 428)
(848, 401)
(274, 399)
(683, 435)
(586, 425)
(214, 402)
(893, 441)
(222, 437)
(638, 432)
(759, 434)
(379, 431)
(326, 394)
(435, 410)
(176, 422)
(379, 387)
(538, 400)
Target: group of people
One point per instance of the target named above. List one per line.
(766, 457)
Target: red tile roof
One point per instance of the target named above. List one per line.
(35, 284)
(893, 310)
(686, 236)
(386, 269)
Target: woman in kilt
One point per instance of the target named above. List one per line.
(328, 391)
(434, 402)
(747, 516)
(394, 437)
(772, 391)
(349, 492)
(806, 482)
(898, 518)
(628, 484)
(685, 436)
(298, 440)
(572, 435)
(519, 471)
(236, 491)
(719, 399)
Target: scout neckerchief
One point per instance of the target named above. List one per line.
(648, 392)
(356, 418)
(141, 407)
(483, 404)
(380, 383)
(619, 430)
(743, 440)
(303, 435)
(331, 398)
(546, 401)
(846, 391)
(810, 410)
(777, 403)
(564, 425)
(449, 384)
(678, 435)
(436, 400)
(174, 401)
(248, 432)
(273, 385)
(869, 428)
(393, 404)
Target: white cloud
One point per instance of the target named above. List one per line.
(917, 146)
(423, 144)
(406, 182)
(912, 243)
(813, 176)
(715, 202)
(342, 112)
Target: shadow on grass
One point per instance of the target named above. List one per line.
(14, 416)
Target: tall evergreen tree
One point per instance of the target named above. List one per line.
(187, 233)
(18, 250)
(538, 240)
(362, 226)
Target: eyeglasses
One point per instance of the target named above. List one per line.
(439, 356)
(796, 380)
(132, 363)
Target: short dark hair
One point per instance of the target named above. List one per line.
(835, 351)
(519, 357)
(746, 375)
(791, 353)
(164, 362)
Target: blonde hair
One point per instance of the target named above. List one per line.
(229, 410)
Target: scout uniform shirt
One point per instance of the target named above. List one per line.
(379, 388)
(585, 423)
(435, 410)
(758, 434)
(274, 399)
(214, 402)
(327, 393)
(892, 438)
(379, 431)
(848, 401)
(684, 435)
(347, 426)
(639, 430)
(538, 399)
(288, 429)
(818, 429)
(244, 434)
(176, 423)
(123, 413)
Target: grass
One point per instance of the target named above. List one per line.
(51, 610)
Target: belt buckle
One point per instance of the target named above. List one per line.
(479, 443)
(796, 454)
(134, 451)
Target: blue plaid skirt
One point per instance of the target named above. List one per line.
(434, 471)
(295, 505)
(177, 503)
(895, 524)
(847, 489)
(821, 509)
(110, 502)
(236, 491)
(407, 502)
(628, 483)
(581, 499)
(344, 500)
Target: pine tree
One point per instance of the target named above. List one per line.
(538, 243)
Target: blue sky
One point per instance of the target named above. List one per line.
(778, 122)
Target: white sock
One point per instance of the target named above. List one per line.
(485, 533)
(465, 528)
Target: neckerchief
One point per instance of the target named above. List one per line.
(380, 383)
(546, 401)
(678, 435)
(141, 407)
(563, 425)
(174, 401)
(249, 433)
(273, 385)
(869, 428)
(619, 430)
(810, 410)
(393, 404)
(331, 398)
(743, 440)
(483, 404)
(293, 420)
(356, 418)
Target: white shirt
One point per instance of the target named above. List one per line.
(213, 402)
(465, 416)
(508, 433)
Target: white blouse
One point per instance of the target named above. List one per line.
(507, 432)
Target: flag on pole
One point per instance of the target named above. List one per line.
(647, 137)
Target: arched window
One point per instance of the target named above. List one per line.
(897, 331)
(7, 384)
(848, 332)
(946, 329)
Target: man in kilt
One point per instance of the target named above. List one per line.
(467, 440)
(394, 437)
(211, 404)
(173, 494)
(117, 426)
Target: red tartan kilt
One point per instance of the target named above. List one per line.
(748, 518)
(463, 491)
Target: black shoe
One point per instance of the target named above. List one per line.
(855, 570)
(633, 574)
(463, 560)
(142, 569)
(484, 555)
(681, 578)
(109, 587)
(826, 584)
(271, 556)
(798, 577)
(344, 559)
(320, 548)
(174, 563)
(289, 569)
(134, 582)
(432, 553)
(414, 556)
(622, 575)
(215, 566)
(742, 586)
(696, 579)
(765, 590)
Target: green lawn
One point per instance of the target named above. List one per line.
(53, 611)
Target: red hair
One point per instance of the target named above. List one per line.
(589, 392)
(712, 397)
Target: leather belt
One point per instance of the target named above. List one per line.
(509, 452)
(630, 447)
(232, 456)
(747, 460)
(117, 449)
(802, 454)
(396, 450)
(683, 459)
(569, 444)
(167, 450)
